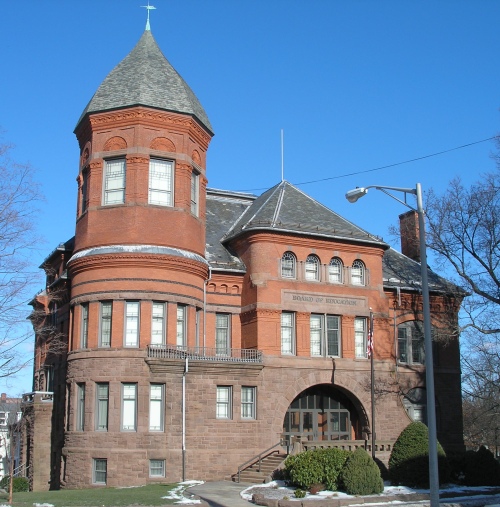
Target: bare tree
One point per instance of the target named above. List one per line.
(19, 197)
(464, 233)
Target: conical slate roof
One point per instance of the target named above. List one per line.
(285, 208)
(145, 77)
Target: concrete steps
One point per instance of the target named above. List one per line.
(259, 474)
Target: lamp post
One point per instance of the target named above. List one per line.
(352, 196)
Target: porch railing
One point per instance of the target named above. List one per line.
(205, 354)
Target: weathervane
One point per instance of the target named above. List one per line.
(148, 8)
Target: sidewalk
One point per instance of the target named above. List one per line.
(220, 493)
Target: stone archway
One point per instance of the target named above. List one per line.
(325, 412)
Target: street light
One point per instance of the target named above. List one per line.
(352, 196)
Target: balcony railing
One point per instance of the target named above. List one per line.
(205, 354)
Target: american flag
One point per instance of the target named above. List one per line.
(369, 344)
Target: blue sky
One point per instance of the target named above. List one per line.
(355, 85)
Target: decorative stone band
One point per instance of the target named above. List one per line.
(137, 249)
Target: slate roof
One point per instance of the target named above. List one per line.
(145, 77)
(285, 208)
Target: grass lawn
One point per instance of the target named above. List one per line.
(100, 497)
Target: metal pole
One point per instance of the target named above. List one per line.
(429, 362)
(372, 368)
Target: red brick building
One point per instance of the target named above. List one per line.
(185, 330)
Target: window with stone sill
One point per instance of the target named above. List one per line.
(288, 265)
(312, 268)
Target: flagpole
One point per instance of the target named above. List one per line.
(372, 383)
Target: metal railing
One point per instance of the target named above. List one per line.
(264, 454)
(205, 354)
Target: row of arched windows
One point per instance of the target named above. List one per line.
(335, 272)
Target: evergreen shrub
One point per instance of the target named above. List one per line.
(409, 461)
(481, 468)
(19, 485)
(318, 466)
(361, 475)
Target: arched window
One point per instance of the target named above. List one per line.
(335, 270)
(415, 403)
(288, 264)
(312, 267)
(358, 273)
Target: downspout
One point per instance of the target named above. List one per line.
(186, 368)
(205, 307)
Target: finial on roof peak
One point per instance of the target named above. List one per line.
(148, 8)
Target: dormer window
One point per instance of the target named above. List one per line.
(114, 182)
(335, 270)
(358, 273)
(288, 265)
(312, 268)
(161, 182)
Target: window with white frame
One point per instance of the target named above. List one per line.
(288, 333)
(156, 407)
(80, 407)
(99, 471)
(114, 181)
(415, 403)
(312, 267)
(224, 402)
(181, 325)
(195, 192)
(105, 324)
(248, 402)
(325, 335)
(156, 468)
(358, 273)
(158, 324)
(336, 270)
(132, 323)
(129, 407)
(222, 334)
(161, 182)
(360, 334)
(3, 418)
(411, 342)
(102, 406)
(288, 265)
(84, 330)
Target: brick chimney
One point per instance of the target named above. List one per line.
(3, 398)
(409, 231)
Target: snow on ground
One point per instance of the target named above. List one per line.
(177, 493)
(278, 490)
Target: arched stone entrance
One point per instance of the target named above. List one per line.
(324, 412)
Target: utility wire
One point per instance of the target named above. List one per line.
(385, 166)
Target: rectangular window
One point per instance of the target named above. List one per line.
(325, 340)
(224, 406)
(158, 324)
(161, 186)
(156, 468)
(132, 324)
(102, 406)
(181, 326)
(360, 337)
(105, 324)
(80, 407)
(222, 334)
(195, 182)
(411, 343)
(287, 333)
(332, 335)
(197, 330)
(402, 344)
(84, 334)
(100, 471)
(156, 407)
(114, 181)
(129, 407)
(248, 402)
(85, 184)
(3, 419)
